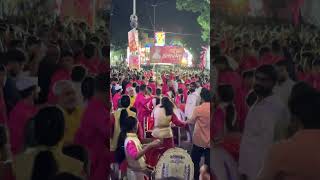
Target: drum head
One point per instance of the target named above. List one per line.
(175, 162)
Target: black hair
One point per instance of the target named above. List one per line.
(45, 166)
(125, 101)
(167, 105)
(301, 88)
(78, 73)
(137, 89)
(158, 91)
(102, 82)
(129, 124)
(194, 86)
(268, 70)
(89, 50)
(226, 95)
(134, 84)
(88, 87)
(49, 129)
(180, 91)
(304, 105)
(27, 92)
(143, 87)
(14, 56)
(264, 50)
(205, 95)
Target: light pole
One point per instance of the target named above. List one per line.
(154, 6)
(133, 17)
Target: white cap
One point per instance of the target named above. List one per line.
(24, 83)
(118, 87)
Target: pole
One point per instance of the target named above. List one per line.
(154, 17)
(134, 7)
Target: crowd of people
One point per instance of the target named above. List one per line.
(54, 108)
(153, 102)
(62, 116)
(265, 119)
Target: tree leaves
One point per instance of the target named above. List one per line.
(203, 8)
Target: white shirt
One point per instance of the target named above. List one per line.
(284, 90)
(175, 86)
(265, 123)
(192, 101)
(198, 90)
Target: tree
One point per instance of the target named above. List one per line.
(203, 8)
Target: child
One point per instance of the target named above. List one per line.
(130, 147)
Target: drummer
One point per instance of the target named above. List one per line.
(163, 116)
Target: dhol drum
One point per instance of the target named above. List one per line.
(175, 162)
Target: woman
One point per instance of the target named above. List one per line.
(180, 100)
(130, 147)
(163, 116)
(120, 117)
(46, 159)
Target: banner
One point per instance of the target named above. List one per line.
(160, 38)
(134, 62)
(133, 40)
(166, 54)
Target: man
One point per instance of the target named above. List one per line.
(62, 73)
(285, 84)
(78, 74)
(94, 131)
(14, 62)
(199, 87)
(90, 60)
(266, 122)
(68, 102)
(21, 114)
(298, 157)
(116, 97)
(132, 95)
(141, 105)
(201, 135)
(193, 100)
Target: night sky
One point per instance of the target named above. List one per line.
(168, 18)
